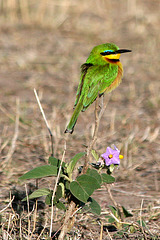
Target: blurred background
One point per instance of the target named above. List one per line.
(42, 46)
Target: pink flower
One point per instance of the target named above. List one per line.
(112, 156)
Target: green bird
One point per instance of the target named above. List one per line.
(101, 73)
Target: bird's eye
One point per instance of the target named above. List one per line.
(103, 53)
(107, 52)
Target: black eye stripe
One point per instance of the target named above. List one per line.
(106, 53)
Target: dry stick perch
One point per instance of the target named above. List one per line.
(96, 128)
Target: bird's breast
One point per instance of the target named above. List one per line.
(117, 80)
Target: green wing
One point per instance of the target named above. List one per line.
(84, 69)
(98, 79)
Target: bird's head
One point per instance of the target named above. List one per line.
(106, 52)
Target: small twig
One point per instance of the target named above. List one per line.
(35, 218)
(141, 224)
(9, 222)
(4, 145)
(15, 215)
(20, 228)
(108, 187)
(109, 234)
(141, 212)
(13, 144)
(122, 222)
(76, 211)
(10, 203)
(55, 188)
(44, 117)
(28, 212)
(45, 225)
(117, 220)
(57, 232)
(101, 233)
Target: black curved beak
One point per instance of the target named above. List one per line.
(122, 51)
(116, 52)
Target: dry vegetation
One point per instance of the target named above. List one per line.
(42, 45)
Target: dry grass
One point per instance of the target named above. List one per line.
(43, 44)
(43, 13)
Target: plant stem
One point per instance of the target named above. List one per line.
(55, 188)
(96, 128)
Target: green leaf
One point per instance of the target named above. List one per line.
(107, 178)
(95, 154)
(95, 174)
(113, 209)
(94, 206)
(39, 172)
(56, 162)
(67, 185)
(110, 219)
(83, 187)
(58, 193)
(38, 193)
(60, 206)
(126, 213)
(48, 199)
(74, 161)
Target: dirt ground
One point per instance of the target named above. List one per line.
(48, 58)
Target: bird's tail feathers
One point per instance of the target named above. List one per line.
(73, 120)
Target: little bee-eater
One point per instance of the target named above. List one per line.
(101, 73)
